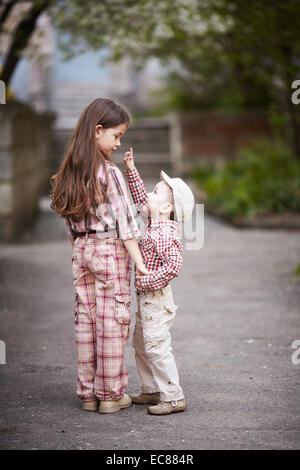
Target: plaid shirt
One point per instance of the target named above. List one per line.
(116, 211)
(160, 243)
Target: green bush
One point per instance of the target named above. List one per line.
(297, 270)
(264, 178)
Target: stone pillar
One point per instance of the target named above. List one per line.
(176, 145)
(26, 165)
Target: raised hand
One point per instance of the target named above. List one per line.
(129, 160)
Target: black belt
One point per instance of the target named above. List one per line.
(83, 234)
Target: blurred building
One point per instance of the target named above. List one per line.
(49, 83)
(33, 138)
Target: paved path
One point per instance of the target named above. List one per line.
(237, 319)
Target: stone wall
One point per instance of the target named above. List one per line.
(208, 136)
(26, 162)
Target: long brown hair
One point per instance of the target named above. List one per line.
(75, 186)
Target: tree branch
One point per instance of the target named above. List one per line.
(21, 37)
(6, 10)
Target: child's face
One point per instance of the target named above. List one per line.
(159, 201)
(109, 139)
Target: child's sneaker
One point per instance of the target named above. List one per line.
(167, 407)
(111, 406)
(145, 398)
(90, 405)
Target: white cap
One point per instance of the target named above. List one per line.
(183, 197)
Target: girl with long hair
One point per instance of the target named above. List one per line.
(90, 193)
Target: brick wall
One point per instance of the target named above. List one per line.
(209, 136)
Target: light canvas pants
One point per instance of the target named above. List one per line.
(101, 274)
(152, 343)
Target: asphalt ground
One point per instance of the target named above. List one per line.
(232, 338)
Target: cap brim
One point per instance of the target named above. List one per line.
(166, 178)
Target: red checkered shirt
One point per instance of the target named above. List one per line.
(116, 211)
(160, 243)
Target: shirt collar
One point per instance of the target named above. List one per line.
(155, 223)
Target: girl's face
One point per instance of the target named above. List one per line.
(109, 139)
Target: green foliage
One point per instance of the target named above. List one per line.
(263, 179)
(219, 54)
(212, 86)
(179, 93)
(297, 270)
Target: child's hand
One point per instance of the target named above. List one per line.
(138, 278)
(128, 160)
(141, 270)
(138, 283)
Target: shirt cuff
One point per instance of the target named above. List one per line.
(146, 282)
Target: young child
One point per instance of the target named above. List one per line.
(171, 202)
(89, 191)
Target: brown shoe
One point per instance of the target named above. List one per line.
(111, 406)
(91, 405)
(167, 407)
(144, 398)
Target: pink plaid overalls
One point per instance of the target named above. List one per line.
(101, 273)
